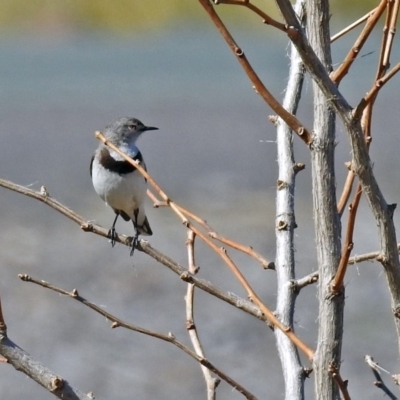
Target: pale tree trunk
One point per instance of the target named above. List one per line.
(326, 217)
(285, 224)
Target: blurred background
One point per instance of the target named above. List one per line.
(70, 68)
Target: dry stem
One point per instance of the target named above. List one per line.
(211, 382)
(334, 370)
(289, 118)
(143, 246)
(352, 26)
(116, 322)
(246, 3)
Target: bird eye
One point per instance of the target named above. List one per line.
(132, 127)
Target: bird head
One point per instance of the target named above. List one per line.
(126, 131)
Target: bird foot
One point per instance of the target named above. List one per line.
(112, 234)
(134, 242)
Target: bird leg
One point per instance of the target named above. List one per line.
(111, 233)
(136, 237)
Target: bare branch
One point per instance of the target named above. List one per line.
(373, 19)
(371, 95)
(305, 281)
(24, 363)
(361, 163)
(116, 322)
(211, 382)
(348, 245)
(293, 371)
(143, 246)
(246, 3)
(289, 118)
(334, 370)
(379, 381)
(344, 198)
(352, 26)
(221, 252)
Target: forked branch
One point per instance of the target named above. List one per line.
(116, 322)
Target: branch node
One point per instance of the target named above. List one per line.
(56, 384)
(298, 167)
(396, 311)
(281, 184)
(115, 324)
(44, 192)
(171, 336)
(273, 119)
(74, 293)
(391, 208)
(87, 227)
(282, 225)
(24, 277)
(239, 52)
(348, 165)
(292, 33)
(185, 276)
(307, 371)
(190, 325)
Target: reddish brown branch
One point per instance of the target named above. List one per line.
(180, 211)
(289, 118)
(371, 95)
(235, 245)
(246, 3)
(344, 198)
(373, 18)
(334, 370)
(337, 282)
(393, 12)
(352, 26)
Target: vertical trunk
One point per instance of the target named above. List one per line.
(326, 218)
(285, 223)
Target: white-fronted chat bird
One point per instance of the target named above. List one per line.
(117, 181)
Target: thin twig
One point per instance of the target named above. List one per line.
(211, 382)
(370, 96)
(238, 246)
(379, 382)
(180, 211)
(289, 118)
(246, 3)
(116, 322)
(301, 283)
(348, 244)
(347, 188)
(334, 370)
(393, 8)
(351, 26)
(143, 246)
(373, 19)
(221, 252)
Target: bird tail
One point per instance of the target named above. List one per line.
(145, 229)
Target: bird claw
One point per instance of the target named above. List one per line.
(134, 242)
(112, 234)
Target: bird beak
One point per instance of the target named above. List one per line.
(150, 128)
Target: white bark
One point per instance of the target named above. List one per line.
(285, 224)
